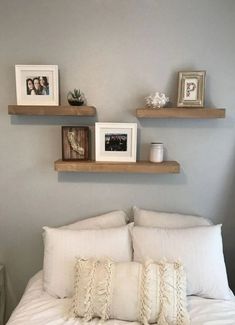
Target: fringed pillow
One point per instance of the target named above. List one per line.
(131, 291)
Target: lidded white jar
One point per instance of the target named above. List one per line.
(156, 152)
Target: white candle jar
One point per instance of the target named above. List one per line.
(156, 152)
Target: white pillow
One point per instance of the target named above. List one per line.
(108, 220)
(148, 293)
(147, 218)
(61, 246)
(199, 249)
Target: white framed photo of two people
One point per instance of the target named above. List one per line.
(37, 85)
(191, 89)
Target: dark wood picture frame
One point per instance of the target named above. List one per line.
(75, 142)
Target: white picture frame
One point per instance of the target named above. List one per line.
(37, 85)
(191, 89)
(115, 142)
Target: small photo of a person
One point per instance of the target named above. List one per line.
(44, 85)
(29, 85)
(37, 85)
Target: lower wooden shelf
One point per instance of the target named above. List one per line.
(140, 167)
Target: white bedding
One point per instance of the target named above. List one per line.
(38, 308)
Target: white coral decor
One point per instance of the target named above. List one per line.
(156, 100)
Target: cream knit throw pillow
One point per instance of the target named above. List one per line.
(149, 293)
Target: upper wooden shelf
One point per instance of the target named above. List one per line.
(196, 113)
(118, 167)
(52, 110)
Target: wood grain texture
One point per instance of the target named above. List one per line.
(196, 113)
(81, 137)
(52, 110)
(144, 167)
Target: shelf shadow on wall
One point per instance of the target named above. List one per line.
(53, 120)
(187, 123)
(123, 178)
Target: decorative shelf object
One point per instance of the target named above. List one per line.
(52, 110)
(140, 167)
(194, 113)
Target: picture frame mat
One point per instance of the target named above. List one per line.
(115, 128)
(118, 131)
(23, 72)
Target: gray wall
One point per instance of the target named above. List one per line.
(117, 52)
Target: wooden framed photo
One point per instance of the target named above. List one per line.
(191, 89)
(115, 142)
(75, 142)
(37, 85)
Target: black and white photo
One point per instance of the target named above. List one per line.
(115, 142)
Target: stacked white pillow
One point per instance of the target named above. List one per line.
(63, 245)
(111, 219)
(148, 218)
(191, 240)
(199, 249)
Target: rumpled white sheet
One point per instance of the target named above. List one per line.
(38, 308)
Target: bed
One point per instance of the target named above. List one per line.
(40, 304)
(38, 308)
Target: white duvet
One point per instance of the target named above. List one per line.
(38, 308)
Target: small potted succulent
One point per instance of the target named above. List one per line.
(76, 97)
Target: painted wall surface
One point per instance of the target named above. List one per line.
(117, 52)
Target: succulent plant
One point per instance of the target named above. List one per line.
(76, 97)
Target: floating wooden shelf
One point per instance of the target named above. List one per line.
(196, 113)
(118, 167)
(52, 110)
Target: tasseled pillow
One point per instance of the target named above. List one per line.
(147, 292)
